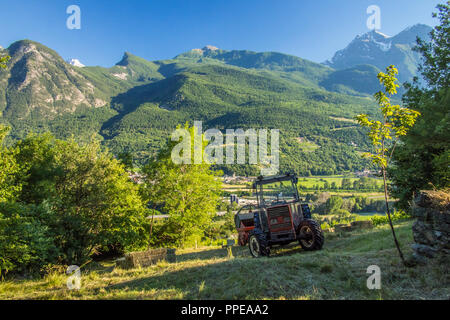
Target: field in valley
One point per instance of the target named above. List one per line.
(306, 183)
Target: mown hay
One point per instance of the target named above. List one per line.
(146, 258)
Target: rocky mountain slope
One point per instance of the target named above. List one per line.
(377, 49)
(39, 83)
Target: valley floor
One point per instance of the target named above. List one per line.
(336, 272)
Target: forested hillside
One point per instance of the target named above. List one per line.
(133, 106)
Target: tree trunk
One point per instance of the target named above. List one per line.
(151, 229)
(389, 217)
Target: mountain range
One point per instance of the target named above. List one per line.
(377, 49)
(134, 105)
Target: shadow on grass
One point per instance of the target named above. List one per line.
(238, 252)
(204, 255)
(289, 272)
(187, 281)
(243, 277)
(238, 278)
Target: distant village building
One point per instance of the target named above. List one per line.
(237, 179)
(365, 173)
(136, 177)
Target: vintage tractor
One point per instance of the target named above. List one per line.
(278, 218)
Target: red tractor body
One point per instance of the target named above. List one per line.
(277, 218)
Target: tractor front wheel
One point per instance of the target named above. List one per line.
(258, 246)
(310, 235)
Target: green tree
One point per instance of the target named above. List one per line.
(96, 198)
(349, 204)
(229, 225)
(92, 203)
(188, 193)
(422, 159)
(3, 61)
(346, 184)
(342, 213)
(26, 243)
(36, 156)
(436, 54)
(333, 204)
(126, 158)
(396, 121)
(10, 171)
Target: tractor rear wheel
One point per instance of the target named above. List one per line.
(310, 235)
(258, 245)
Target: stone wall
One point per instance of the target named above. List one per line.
(146, 258)
(431, 230)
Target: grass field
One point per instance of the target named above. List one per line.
(369, 195)
(306, 145)
(309, 182)
(336, 272)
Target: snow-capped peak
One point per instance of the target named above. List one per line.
(75, 63)
(382, 34)
(381, 40)
(373, 35)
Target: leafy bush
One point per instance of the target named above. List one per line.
(104, 209)
(71, 201)
(10, 187)
(397, 215)
(325, 226)
(26, 244)
(342, 213)
(189, 194)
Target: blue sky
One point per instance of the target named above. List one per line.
(311, 29)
